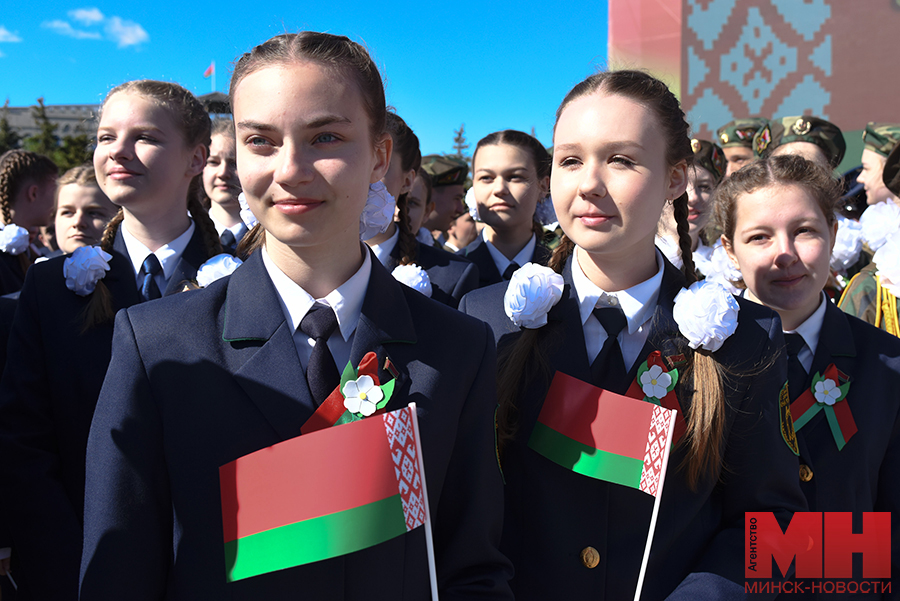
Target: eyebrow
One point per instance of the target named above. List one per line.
(314, 124)
(609, 146)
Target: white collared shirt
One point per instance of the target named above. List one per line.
(346, 301)
(809, 330)
(168, 255)
(524, 255)
(239, 229)
(638, 303)
(383, 251)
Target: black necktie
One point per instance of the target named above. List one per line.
(796, 373)
(510, 270)
(321, 372)
(608, 369)
(227, 239)
(149, 289)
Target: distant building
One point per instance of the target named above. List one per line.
(75, 119)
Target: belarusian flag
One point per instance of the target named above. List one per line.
(322, 494)
(603, 435)
(210, 69)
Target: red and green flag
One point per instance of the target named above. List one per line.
(323, 494)
(604, 435)
(210, 70)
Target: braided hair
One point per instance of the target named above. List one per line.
(406, 145)
(19, 168)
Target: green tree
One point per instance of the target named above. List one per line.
(9, 138)
(73, 150)
(45, 141)
(460, 146)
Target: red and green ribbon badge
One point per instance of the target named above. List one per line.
(828, 393)
(651, 377)
(332, 411)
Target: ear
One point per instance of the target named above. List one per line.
(384, 146)
(32, 192)
(729, 250)
(834, 229)
(545, 187)
(408, 178)
(198, 160)
(677, 183)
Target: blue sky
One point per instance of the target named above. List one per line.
(490, 65)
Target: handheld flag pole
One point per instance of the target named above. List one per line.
(429, 538)
(662, 478)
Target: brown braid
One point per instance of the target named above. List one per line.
(406, 240)
(99, 309)
(680, 205)
(251, 242)
(17, 169)
(204, 222)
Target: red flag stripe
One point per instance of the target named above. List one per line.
(616, 425)
(344, 469)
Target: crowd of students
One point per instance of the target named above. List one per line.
(209, 281)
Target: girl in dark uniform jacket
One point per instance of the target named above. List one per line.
(449, 276)
(779, 227)
(152, 144)
(27, 190)
(621, 150)
(511, 175)
(201, 379)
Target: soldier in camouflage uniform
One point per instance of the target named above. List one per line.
(865, 296)
(736, 141)
(813, 138)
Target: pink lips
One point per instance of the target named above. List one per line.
(297, 206)
(120, 173)
(595, 220)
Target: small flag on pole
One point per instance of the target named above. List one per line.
(210, 70)
(364, 485)
(602, 434)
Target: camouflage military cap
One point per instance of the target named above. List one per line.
(739, 132)
(822, 133)
(446, 171)
(881, 137)
(891, 173)
(710, 157)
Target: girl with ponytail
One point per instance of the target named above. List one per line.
(448, 276)
(27, 190)
(608, 306)
(151, 147)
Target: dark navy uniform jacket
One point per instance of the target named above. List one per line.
(451, 276)
(865, 474)
(53, 376)
(552, 514)
(203, 378)
(478, 253)
(12, 276)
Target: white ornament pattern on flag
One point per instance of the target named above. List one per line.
(398, 426)
(653, 456)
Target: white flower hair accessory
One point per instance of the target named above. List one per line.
(425, 237)
(13, 239)
(218, 267)
(706, 314)
(722, 271)
(471, 204)
(247, 215)
(532, 291)
(847, 244)
(879, 222)
(378, 212)
(84, 268)
(413, 276)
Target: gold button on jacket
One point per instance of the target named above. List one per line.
(590, 557)
(806, 473)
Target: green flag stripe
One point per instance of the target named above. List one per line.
(585, 460)
(315, 539)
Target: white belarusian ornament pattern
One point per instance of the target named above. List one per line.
(401, 438)
(657, 440)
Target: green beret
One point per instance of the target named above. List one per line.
(891, 173)
(881, 137)
(710, 157)
(740, 132)
(446, 171)
(822, 133)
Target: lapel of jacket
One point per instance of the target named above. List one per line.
(664, 335)
(273, 377)
(567, 350)
(385, 320)
(487, 269)
(192, 258)
(835, 346)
